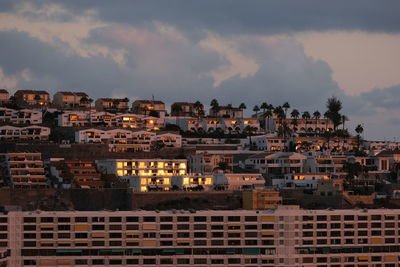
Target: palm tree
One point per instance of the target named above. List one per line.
(214, 105)
(359, 130)
(242, 106)
(264, 106)
(334, 106)
(198, 106)
(295, 114)
(306, 115)
(316, 116)
(286, 106)
(268, 115)
(256, 109)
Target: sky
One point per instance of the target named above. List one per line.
(250, 51)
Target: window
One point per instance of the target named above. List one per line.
(64, 219)
(200, 218)
(149, 219)
(46, 219)
(217, 218)
(183, 218)
(132, 219)
(115, 219)
(233, 218)
(250, 218)
(81, 219)
(166, 219)
(97, 227)
(166, 226)
(183, 226)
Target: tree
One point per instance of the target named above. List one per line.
(306, 115)
(176, 108)
(286, 106)
(295, 114)
(242, 106)
(214, 105)
(334, 106)
(316, 116)
(256, 109)
(359, 130)
(264, 106)
(199, 108)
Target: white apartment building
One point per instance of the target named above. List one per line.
(144, 174)
(300, 180)
(281, 163)
(32, 132)
(22, 116)
(193, 181)
(238, 181)
(286, 236)
(23, 170)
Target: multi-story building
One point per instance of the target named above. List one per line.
(144, 174)
(193, 181)
(148, 107)
(300, 180)
(286, 236)
(185, 109)
(22, 116)
(32, 132)
(78, 173)
(238, 181)
(227, 112)
(4, 96)
(112, 104)
(71, 100)
(23, 170)
(32, 98)
(261, 199)
(301, 126)
(281, 163)
(208, 163)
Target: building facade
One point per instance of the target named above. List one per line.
(287, 236)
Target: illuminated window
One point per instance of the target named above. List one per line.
(166, 181)
(185, 181)
(182, 172)
(120, 165)
(143, 181)
(208, 180)
(160, 165)
(120, 173)
(143, 188)
(182, 166)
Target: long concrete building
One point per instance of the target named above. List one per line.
(286, 236)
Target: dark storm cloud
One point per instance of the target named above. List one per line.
(251, 16)
(387, 98)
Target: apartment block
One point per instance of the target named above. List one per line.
(4, 96)
(22, 116)
(32, 98)
(286, 236)
(144, 174)
(112, 104)
(208, 163)
(146, 107)
(77, 173)
(23, 170)
(9, 133)
(261, 199)
(71, 100)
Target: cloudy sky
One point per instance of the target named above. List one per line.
(248, 51)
